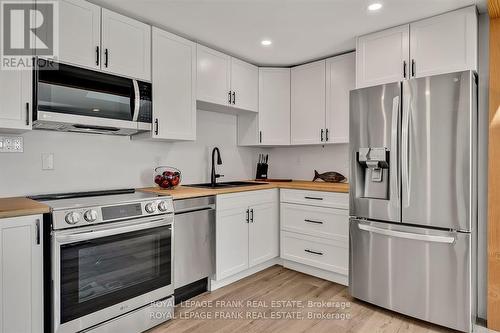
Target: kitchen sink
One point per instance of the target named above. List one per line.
(225, 184)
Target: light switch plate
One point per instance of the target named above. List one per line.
(47, 161)
(11, 144)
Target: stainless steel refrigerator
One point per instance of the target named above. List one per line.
(413, 198)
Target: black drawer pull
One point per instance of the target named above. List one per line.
(314, 252)
(312, 221)
(313, 198)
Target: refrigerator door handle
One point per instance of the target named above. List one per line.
(405, 145)
(408, 235)
(394, 147)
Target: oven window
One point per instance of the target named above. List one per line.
(101, 272)
(83, 92)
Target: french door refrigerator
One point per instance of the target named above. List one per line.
(412, 231)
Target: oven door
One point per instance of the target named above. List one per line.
(101, 272)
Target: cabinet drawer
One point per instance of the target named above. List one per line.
(246, 199)
(322, 253)
(316, 198)
(315, 221)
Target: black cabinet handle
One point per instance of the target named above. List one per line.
(251, 215)
(313, 198)
(312, 221)
(404, 69)
(260, 136)
(248, 216)
(413, 67)
(156, 126)
(326, 135)
(37, 232)
(234, 97)
(314, 252)
(106, 56)
(229, 96)
(322, 130)
(97, 55)
(27, 113)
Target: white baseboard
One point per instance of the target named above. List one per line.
(214, 285)
(321, 273)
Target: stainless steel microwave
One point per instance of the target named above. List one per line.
(73, 99)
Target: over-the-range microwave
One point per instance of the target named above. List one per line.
(74, 99)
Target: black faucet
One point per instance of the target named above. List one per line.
(214, 175)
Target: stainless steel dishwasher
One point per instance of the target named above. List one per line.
(194, 245)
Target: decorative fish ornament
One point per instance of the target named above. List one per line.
(329, 177)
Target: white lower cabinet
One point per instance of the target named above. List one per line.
(315, 232)
(21, 278)
(247, 231)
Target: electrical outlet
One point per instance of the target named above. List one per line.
(11, 144)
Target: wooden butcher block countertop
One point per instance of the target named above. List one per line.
(19, 206)
(184, 192)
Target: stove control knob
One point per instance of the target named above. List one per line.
(150, 207)
(163, 206)
(90, 215)
(72, 218)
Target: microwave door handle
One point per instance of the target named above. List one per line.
(137, 100)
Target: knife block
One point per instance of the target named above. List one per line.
(261, 171)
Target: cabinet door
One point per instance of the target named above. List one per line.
(231, 242)
(174, 86)
(126, 46)
(79, 33)
(21, 280)
(308, 103)
(381, 57)
(16, 96)
(263, 233)
(213, 76)
(340, 77)
(244, 85)
(445, 43)
(274, 106)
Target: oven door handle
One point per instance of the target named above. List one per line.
(93, 234)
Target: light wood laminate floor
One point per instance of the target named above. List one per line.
(254, 304)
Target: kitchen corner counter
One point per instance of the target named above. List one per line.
(184, 192)
(20, 206)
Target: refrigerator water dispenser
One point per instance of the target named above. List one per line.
(375, 162)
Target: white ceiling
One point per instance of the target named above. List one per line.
(301, 30)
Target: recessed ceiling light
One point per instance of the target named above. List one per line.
(266, 42)
(375, 6)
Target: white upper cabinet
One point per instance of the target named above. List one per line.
(16, 101)
(174, 87)
(437, 45)
(308, 103)
(274, 106)
(381, 57)
(21, 275)
(226, 81)
(79, 33)
(340, 80)
(444, 43)
(126, 46)
(213, 76)
(244, 85)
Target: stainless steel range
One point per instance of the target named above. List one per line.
(110, 261)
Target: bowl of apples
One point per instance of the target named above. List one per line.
(167, 177)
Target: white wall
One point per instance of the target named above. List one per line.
(300, 162)
(90, 162)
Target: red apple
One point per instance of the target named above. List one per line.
(175, 181)
(165, 184)
(158, 179)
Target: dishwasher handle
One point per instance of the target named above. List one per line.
(194, 209)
